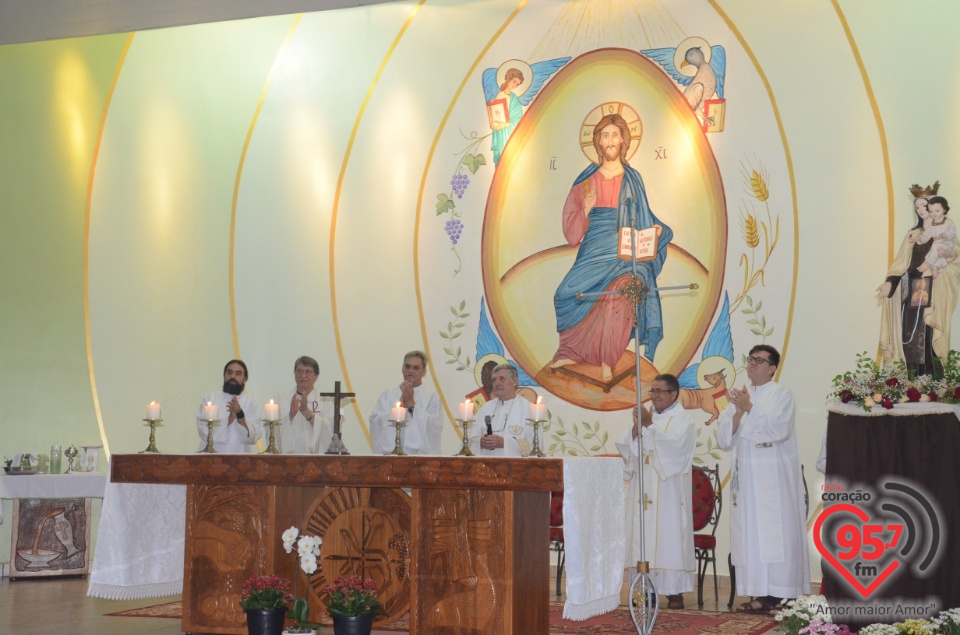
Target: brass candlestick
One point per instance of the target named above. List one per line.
(152, 447)
(209, 449)
(272, 446)
(398, 447)
(536, 451)
(465, 450)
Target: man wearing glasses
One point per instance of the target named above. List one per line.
(306, 418)
(768, 531)
(669, 440)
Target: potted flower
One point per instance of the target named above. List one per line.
(352, 602)
(264, 598)
(308, 550)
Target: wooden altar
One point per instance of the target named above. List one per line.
(466, 550)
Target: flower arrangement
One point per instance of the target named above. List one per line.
(308, 550)
(265, 593)
(801, 613)
(810, 615)
(352, 596)
(874, 385)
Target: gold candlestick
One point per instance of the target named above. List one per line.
(272, 446)
(209, 449)
(536, 451)
(152, 447)
(465, 450)
(398, 447)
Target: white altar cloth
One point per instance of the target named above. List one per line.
(140, 544)
(899, 409)
(142, 538)
(594, 535)
(73, 485)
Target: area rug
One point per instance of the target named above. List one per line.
(683, 622)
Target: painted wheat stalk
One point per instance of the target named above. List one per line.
(756, 233)
(759, 186)
(751, 231)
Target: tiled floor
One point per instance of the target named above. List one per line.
(35, 607)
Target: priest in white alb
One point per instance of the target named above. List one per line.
(669, 440)
(306, 418)
(420, 433)
(767, 515)
(502, 422)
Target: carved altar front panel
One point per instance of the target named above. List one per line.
(50, 537)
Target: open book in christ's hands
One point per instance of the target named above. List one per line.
(646, 241)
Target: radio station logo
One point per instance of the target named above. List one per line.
(872, 537)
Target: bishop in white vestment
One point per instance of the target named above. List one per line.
(767, 515)
(669, 441)
(421, 432)
(501, 424)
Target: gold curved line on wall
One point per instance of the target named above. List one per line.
(789, 159)
(423, 184)
(86, 244)
(236, 182)
(881, 131)
(336, 207)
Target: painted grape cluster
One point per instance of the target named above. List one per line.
(454, 227)
(459, 182)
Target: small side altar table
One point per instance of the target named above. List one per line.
(464, 551)
(918, 441)
(51, 522)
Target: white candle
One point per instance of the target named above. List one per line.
(211, 411)
(466, 410)
(538, 410)
(272, 411)
(399, 413)
(153, 411)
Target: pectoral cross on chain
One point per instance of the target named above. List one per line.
(336, 444)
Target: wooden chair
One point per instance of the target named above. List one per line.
(556, 532)
(707, 504)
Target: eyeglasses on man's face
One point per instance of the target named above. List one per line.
(757, 360)
(659, 391)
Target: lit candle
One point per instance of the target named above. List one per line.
(272, 411)
(399, 413)
(211, 411)
(153, 411)
(466, 410)
(538, 410)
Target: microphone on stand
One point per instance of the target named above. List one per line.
(487, 419)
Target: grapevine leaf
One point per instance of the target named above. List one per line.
(444, 204)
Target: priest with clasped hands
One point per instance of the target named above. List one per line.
(239, 427)
(669, 441)
(768, 519)
(421, 432)
(502, 422)
(306, 418)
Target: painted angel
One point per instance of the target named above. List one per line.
(507, 90)
(695, 65)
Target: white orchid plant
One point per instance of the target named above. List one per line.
(308, 550)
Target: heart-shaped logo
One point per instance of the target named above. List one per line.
(865, 591)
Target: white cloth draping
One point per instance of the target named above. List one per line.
(80, 485)
(900, 409)
(140, 543)
(594, 535)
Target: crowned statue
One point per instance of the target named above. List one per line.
(919, 295)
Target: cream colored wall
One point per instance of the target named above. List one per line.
(266, 188)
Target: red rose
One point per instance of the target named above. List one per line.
(932, 395)
(846, 395)
(956, 393)
(887, 403)
(914, 395)
(893, 382)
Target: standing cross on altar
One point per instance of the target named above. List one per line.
(336, 444)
